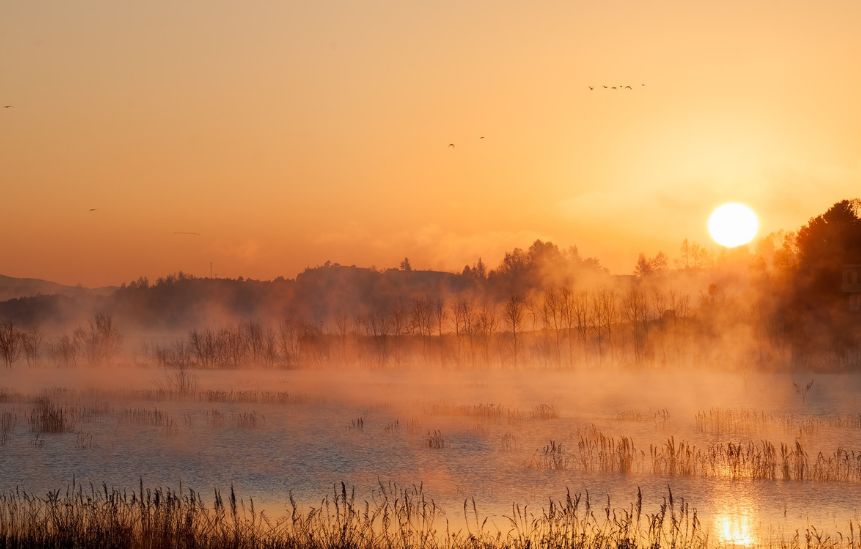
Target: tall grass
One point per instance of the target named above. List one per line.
(46, 417)
(492, 411)
(392, 517)
(754, 460)
(762, 460)
(8, 420)
(721, 421)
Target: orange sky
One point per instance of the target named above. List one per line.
(289, 133)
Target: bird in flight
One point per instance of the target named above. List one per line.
(92, 209)
(614, 87)
(482, 137)
(451, 145)
(7, 106)
(187, 233)
(628, 87)
(591, 88)
(605, 87)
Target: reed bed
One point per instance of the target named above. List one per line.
(163, 394)
(492, 411)
(249, 420)
(599, 452)
(8, 421)
(215, 418)
(721, 421)
(754, 460)
(544, 412)
(435, 440)
(392, 517)
(47, 417)
(84, 441)
(594, 451)
(489, 411)
(143, 417)
(656, 416)
(552, 458)
(249, 397)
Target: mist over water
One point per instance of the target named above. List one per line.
(461, 434)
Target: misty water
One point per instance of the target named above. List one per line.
(475, 434)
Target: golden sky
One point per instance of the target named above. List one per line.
(289, 133)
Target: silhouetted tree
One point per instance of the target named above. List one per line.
(9, 343)
(814, 316)
(514, 316)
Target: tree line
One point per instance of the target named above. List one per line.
(778, 302)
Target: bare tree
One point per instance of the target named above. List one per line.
(605, 313)
(580, 308)
(552, 317)
(514, 316)
(99, 340)
(566, 311)
(634, 308)
(439, 314)
(9, 343)
(31, 341)
(464, 320)
(485, 327)
(421, 321)
(342, 326)
(288, 341)
(65, 351)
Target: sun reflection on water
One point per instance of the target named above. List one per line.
(735, 529)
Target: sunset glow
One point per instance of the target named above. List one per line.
(288, 134)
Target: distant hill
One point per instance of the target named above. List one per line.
(13, 288)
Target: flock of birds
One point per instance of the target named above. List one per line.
(591, 88)
(617, 87)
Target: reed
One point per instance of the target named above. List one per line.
(249, 420)
(721, 422)
(143, 417)
(392, 517)
(46, 417)
(435, 440)
(8, 421)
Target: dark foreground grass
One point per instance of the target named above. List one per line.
(392, 517)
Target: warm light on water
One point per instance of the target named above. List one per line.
(735, 529)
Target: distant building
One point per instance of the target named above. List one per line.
(851, 284)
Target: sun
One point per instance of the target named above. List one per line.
(733, 224)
